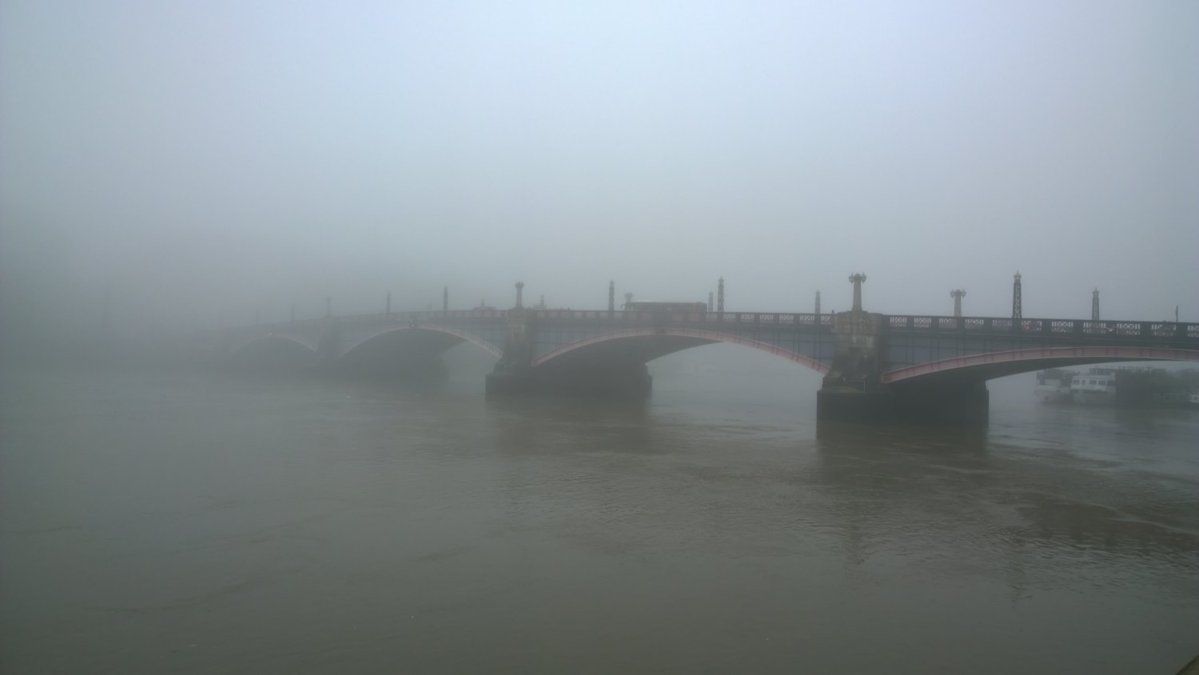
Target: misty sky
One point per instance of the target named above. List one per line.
(200, 162)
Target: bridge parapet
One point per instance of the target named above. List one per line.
(650, 317)
(717, 318)
(1032, 327)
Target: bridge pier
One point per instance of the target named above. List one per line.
(964, 403)
(515, 373)
(837, 404)
(852, 390)
(959, 403)
(626, 381)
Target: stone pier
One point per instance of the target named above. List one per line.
(515, 374)
(852, 390)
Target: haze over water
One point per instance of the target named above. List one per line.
(197, 522)
(174, 169)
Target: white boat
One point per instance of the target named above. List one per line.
(1095, 387)
(1053, 386)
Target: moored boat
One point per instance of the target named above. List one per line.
(1094, 387)
(1053, 386)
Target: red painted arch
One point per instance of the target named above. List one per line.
(432, 328)
(1034, 356)
(273, 336)
(709, 336)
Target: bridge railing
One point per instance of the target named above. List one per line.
(774, 318)
(893, 322)
(429, 315)
(646, 316)
(1080, 327)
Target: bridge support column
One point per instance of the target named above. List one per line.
(837, 404)
(327, 346)
(505, 382)
(515, 374)
(964, 404)
(852, 390)
(631, 381)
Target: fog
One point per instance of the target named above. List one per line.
(651, 491)
(186, 165)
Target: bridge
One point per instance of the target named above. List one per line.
(875, 366)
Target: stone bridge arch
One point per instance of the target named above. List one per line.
(274, 351)
(646, 344)
(273, 338)
(990, 365)
(444, 337)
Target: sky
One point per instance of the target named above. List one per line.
(194, 164)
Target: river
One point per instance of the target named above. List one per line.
(200, 522)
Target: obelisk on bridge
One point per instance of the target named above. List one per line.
(611, 297)
(1095, 305)
(957, 294)
(1017, 301)
(856, 280)
(720, 296)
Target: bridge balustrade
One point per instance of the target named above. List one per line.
(1045, 327)
(1161, 329)
(649, 316)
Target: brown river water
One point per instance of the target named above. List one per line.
(175, 522)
